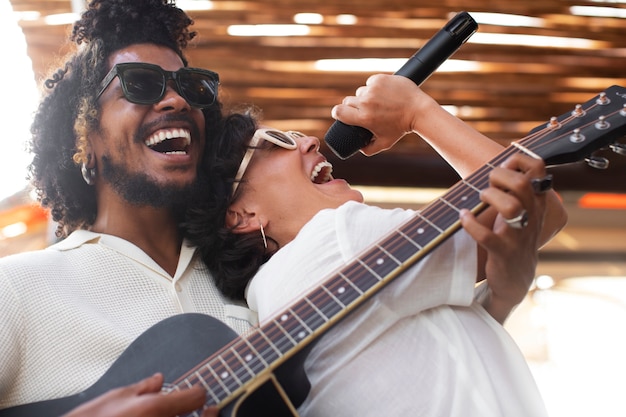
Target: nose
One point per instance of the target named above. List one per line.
(172, 101)
(309, 144)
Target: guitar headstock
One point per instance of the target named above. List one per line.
(574, 136)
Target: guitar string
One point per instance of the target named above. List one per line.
(342, 304)
(305, 311)
(275, 328)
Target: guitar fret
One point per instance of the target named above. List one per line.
(389, 254)
(330, 309)
(229, 374)
(469, 184)
(285, 336)
(403, 247)
(370, 270)
(275, 352)
(425, 219)
(449, 204)
(302, 324)
(411, 241)
(419, 232)
(379, 262)
(360, 277)
(207, 388)
(225, 391)
(243, 362)
(291, 325)
(321, 314)
(233, 361)
(263, 347)
(252, 357)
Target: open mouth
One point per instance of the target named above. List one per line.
(321, 173)
(170, 141)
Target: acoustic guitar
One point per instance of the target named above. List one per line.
(260, 373)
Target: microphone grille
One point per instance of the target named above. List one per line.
(345, 140)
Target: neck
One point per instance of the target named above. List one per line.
(153, 230)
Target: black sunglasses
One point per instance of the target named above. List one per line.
(144, 83)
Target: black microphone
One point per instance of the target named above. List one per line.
(345, 140)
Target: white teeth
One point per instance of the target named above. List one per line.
(164, 135)
(324, 167)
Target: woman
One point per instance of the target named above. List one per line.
(423, 345)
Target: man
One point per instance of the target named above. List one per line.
(117, 143)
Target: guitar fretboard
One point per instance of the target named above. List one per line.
(266, 347)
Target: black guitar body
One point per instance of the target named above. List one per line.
(173, 347)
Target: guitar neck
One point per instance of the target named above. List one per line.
(562, 140)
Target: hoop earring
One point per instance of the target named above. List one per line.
(263, 235)
(89, 174)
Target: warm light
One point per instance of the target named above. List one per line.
(503, 19)
(603, 201)
(346, 19)
(194, 4)
(544, 282)
(531, 40)
(13, 230)
(268, 30)
(598, 11)
(399, 195)
(308, 18)
(30, 15)
(388, 65)
(61, 19)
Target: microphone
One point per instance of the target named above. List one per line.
(345, 140)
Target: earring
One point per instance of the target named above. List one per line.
(263, 235)
(88, 174)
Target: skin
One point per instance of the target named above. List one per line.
(124, 126)
(282, 203)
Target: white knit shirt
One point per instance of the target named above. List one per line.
(67, 312)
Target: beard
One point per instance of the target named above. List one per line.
(140, 190)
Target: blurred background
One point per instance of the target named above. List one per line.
(529, 61)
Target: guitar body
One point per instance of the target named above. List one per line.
(173, 347)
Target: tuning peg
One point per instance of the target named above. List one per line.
(618, 148)
(597, 162)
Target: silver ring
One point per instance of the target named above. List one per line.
(518, 222)
(541, 185)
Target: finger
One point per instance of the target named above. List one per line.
(351, 101)
(151, 384)
(508, 205)
(478, 232)
(532, 166)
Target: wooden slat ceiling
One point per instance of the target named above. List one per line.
(517, 87)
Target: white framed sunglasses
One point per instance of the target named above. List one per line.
(286, 140)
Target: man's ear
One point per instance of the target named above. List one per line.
(241, 220)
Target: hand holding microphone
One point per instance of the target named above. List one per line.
(345, 140)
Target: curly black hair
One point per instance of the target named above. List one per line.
(232, 258)
(69, 112)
